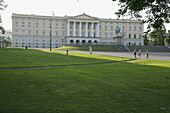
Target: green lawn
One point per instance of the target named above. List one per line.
(141, 86)
(86, 48)
(16, 57)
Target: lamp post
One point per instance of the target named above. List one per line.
(51, 30)
(123, 34)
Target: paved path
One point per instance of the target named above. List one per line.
(152, 55)
(31, 68)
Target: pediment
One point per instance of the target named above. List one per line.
(84, 16)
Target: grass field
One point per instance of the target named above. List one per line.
(141, 86)
(86, 48)
(15, 57)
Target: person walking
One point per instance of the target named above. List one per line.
(134, 53)
(90, 49)
(139, 54)
(147, 53)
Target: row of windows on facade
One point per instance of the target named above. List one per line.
(71, 34)
(71, 25)
(35, 46)
(36, 40)
(35, 43)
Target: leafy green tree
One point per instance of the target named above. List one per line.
(3, 5)
(157, 11)
(145, 37)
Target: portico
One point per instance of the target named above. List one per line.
(82, 29)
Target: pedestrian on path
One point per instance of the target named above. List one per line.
(147, 54)
(90, 49)
(66, 52)
(134, 53)
(139, 54)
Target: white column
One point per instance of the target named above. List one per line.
(97, 30)
(68, 29)
(86, 30)
(92, 26)
(74, 29)
(80, 34)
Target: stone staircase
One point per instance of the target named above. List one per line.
(121, 48)
(150, 48)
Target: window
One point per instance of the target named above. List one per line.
(135, 28)
(111, 28)
(129, 28)
(100, 34)
(29, 24)
(105, 27)
(99, 27)
(50, 25)
(134, 43)
(37, 32)
(76, 26)
(23, 32)
(29, 32)
(140, 36)
(105, 34)
(62, 26)
(140, 28)
(88, 26)
(43, 33)
(71, 34)
(140, 43)
(134, 36)
(63, 33)
(56, 33)
(23, 24)
(16, 23)
(123, 28)
(129, 35)
(56, 25)
(82, 26)
(88, 33)
(71, 25)
(111, 34)
(16, 31)
(36, 24)
(43, 25)
(76, 33)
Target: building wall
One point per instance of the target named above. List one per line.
(34, 30)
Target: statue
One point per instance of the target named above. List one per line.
(117, 30)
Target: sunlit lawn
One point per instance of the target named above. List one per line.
(141, 86)
(86, 48)
(16, 57)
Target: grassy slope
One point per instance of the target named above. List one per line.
(86, 48)
(15, 57)
(134, 87)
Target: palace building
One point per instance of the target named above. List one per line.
(36, 31)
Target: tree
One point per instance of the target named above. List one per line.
(5, 39)
(146, 41)
(3, 5)
(157, 11)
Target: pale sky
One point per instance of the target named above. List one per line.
(96, 8)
